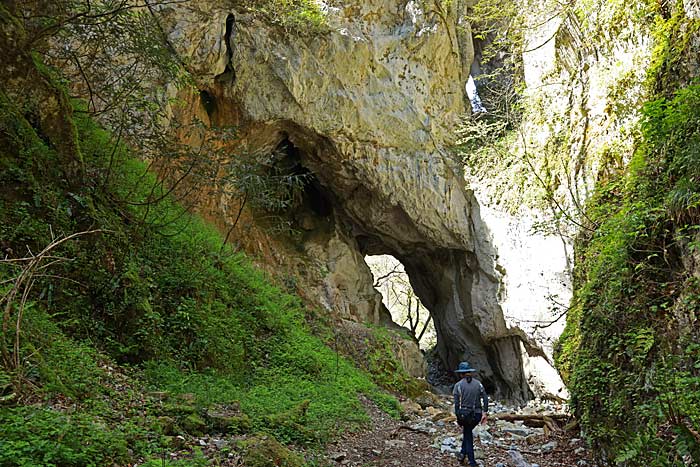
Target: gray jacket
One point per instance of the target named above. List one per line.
(470, 395)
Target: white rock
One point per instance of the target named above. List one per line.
(548, 447)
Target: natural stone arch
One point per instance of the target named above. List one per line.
(371, 120)
(450, 282)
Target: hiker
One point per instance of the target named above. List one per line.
(471, 407)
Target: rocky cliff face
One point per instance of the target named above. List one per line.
(583, 88)
(367, 108)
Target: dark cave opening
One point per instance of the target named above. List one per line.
(314, 197)
(319, 202)
(208, 102)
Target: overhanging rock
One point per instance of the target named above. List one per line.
(369, 107)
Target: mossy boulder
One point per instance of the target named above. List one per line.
(292, 420)
(427, 399)
(179, 409)
(164, 425)
(265, 451)
(194, 424)
(228, 418)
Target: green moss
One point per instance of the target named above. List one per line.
(673, 36)
(194, 424)
(625, 354)
(385, 367)
(36, 436)
(264, 451)
(228, 419)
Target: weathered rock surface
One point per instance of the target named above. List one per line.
(368, 108)
(580, 104)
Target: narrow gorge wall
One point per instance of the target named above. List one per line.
(367, 108)
(582, 89)
(608, 116)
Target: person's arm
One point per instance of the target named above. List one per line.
(456, 394)
(484, 403)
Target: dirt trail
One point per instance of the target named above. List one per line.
(429, 438)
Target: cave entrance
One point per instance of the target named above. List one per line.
(406, 308)
(442, 297)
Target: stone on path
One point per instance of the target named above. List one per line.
(450, 445)
(518, 459)
(338, 456)
(482, 432)
(549, 447)
(395, 443)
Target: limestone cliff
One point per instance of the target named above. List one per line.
(368, 108)
(582, 88)
(608, 114)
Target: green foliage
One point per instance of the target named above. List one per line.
(281, 397)
(57, 363)
(32, 436)
(635, 383)
(673, 34)
(386, 369)
(154, 300)
(265, 451)
(298, 16)
(199, 461)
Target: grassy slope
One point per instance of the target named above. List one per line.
(150, 303)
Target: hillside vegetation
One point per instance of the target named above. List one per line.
(630, 350)
(125, 321)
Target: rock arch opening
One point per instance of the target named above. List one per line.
(443, 280)
(453, 287)
(406, 308)
(343, 219)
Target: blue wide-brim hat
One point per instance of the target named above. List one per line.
(465, 367)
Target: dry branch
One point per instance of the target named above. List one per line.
(21, 287)
(535, 420)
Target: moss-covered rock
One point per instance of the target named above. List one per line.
(265, 451)
(290, 421)
(228, 418)
(194, 424)
(164, 425)
(427, 399)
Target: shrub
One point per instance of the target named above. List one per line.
(35, 436)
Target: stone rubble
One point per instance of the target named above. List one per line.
(518, 445)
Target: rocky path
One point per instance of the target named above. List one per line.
(429, 437)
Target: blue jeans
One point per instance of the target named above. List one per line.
(468, 437)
